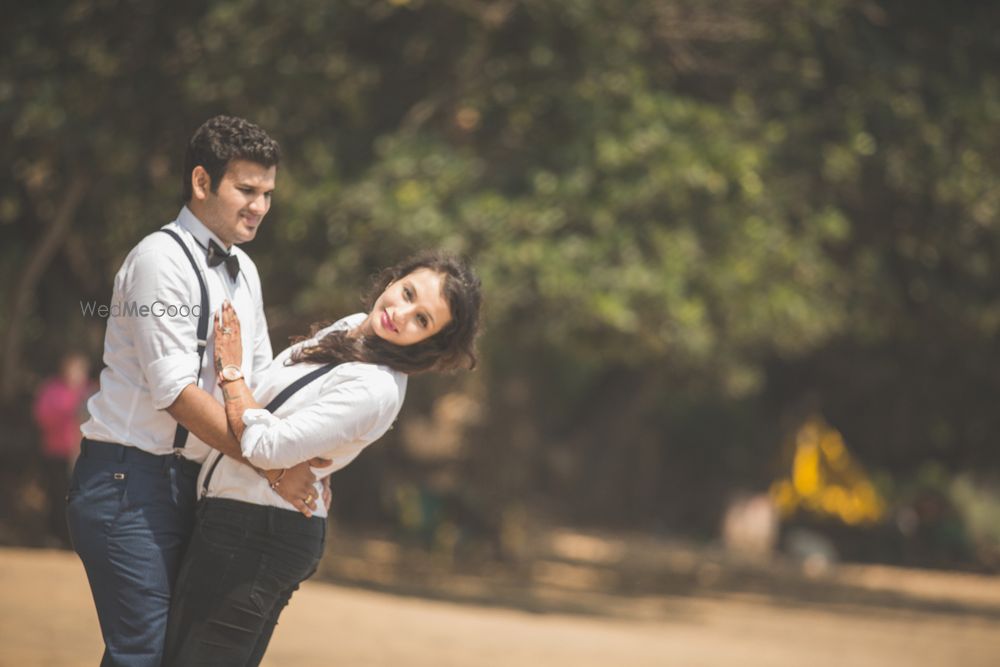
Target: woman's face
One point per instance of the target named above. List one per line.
(410, 309)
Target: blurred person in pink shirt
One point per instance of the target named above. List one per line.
(59, 409)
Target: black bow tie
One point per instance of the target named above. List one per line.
(217, 255)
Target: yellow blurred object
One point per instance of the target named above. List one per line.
(825, 479)
(806, 470)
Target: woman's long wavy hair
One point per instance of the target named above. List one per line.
(450, 349)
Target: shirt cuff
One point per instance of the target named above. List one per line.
(169, 375)
(257, 422)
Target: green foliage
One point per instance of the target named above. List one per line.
(735, 201)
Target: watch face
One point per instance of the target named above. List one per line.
(231, 373)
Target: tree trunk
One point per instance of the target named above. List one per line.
(24, 291)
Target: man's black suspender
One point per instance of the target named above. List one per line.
(181, 434)
(275, 403)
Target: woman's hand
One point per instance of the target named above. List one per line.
(228, 342)
(295, 485)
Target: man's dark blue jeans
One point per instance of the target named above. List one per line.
(240, 570)
(130, 516)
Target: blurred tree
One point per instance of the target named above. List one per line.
(686, 214)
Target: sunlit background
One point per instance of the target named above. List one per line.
(740, 265)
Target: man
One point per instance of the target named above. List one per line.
(132, 496)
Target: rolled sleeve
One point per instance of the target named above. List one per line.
(257, 422)
(168, 376)
(166, 346)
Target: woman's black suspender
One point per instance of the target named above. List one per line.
(275, 403)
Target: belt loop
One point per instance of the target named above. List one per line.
(270, 519)
(84, 446)
(121, 451)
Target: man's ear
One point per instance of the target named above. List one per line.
(201, 183)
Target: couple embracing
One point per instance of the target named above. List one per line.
(198, 504)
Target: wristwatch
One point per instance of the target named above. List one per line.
(230, 373)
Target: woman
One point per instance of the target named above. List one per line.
(328, 396)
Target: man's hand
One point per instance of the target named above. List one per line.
(296, 486)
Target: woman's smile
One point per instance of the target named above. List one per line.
(387, 322)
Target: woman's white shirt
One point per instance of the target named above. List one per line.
(334, 417)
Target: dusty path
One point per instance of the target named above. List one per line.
(46, 618)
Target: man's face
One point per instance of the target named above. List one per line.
(237, 207)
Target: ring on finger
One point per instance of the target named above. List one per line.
(227, 330)
(309, 498)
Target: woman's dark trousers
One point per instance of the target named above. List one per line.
(241, 568)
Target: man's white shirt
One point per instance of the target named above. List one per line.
(150, 359)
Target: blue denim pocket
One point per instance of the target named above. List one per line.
(94, 503)
(99, 484)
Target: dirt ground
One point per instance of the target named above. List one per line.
(46, 618)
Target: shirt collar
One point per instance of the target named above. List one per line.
(199, 231)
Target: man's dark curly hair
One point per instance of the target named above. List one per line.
(222, 139)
